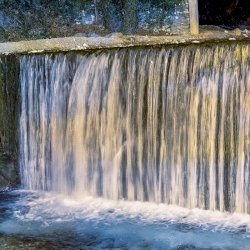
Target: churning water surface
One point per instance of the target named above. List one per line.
(42, 220)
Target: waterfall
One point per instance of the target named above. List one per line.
(167, 125)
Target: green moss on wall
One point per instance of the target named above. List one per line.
(9, 99)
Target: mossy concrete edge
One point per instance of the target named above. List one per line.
(116, 41)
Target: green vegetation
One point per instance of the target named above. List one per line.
(35, 19)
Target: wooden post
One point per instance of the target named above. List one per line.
(194, 17)
(96, 12)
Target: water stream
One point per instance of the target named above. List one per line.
(164, 125)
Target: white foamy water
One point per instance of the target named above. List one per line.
(54, 221)
(51, 207)
(97, 223)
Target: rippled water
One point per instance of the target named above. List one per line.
(38, 220)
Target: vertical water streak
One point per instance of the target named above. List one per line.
(167, 125)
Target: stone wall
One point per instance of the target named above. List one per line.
(9, 99)
(36, 19)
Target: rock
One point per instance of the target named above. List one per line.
(37, 33)
(92, 34)
(236, 32)
(80, 35)
(6, 21)
(3, 36)
(8, 174)
(115, 35)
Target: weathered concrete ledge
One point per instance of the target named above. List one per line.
(117, 40)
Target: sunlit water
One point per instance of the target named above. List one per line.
(167, 125)
(50, 221)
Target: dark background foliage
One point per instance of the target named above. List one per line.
(32, 19)
(35, 19)
(227, 13)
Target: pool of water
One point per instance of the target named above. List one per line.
(39, 220)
